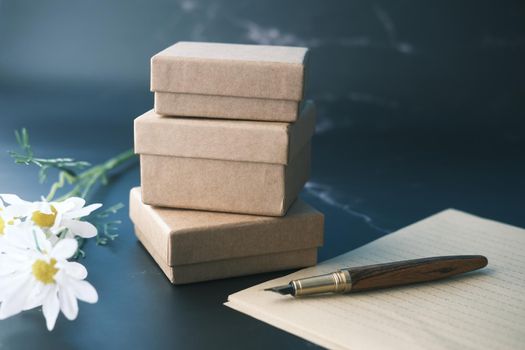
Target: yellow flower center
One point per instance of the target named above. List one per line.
(45, 271)
(44, 220)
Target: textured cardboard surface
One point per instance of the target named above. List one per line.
(225, 186)
(238, 140)
(226, 107)
(212, 270)
(274, 72)
(183, 237)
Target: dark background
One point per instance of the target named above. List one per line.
(421, 108)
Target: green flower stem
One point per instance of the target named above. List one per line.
(84, 181)
(62, 178)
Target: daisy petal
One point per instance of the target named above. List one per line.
(13, 199)
(69, 204)
(68, 303)
(17, 211)
(77, 202)
(43, 243)
(75, 270)
(74, 214)
(64, 249)
(38, 293)
(56, 228)
(51, 308)
(45, 208)
(15, 302)
(84, 291)
(6, 282)
(81, 228)
(10, 284)
(11, 264)
(18, 237)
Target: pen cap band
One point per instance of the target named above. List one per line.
(337, 282)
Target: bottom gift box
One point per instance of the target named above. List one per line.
(194, 246)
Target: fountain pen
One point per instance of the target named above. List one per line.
(378, 276)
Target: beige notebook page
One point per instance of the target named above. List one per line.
(479, 310)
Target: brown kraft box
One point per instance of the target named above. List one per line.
(232, 81)
(191, 246)
(224, 165)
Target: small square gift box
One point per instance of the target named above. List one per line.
(236, 166)
(231, 81)
(191, 246)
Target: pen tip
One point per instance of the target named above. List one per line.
(284, 290)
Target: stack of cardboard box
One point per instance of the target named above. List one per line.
(223, 157)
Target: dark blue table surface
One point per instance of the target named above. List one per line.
(420, 109)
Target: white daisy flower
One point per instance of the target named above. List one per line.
(55, 217)
(33, 272)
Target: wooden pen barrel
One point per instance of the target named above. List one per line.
(413, 271)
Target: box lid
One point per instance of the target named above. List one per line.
(259, 71)
(188, 236)
(237, 140)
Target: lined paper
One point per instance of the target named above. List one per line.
(484, 309)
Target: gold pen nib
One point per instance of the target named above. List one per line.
(284, 290)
